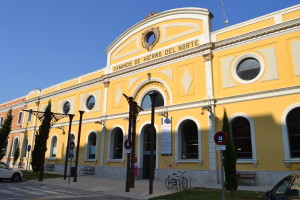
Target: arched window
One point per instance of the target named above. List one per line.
(117, 144)
(92, 140)
(159, 100)
(20, 118)
(241, 135)
(293, 128)
(1, 122)
(71, 152)
(53, 149)
(15, 147)
(189, 138)
(24, 148)
(5, 149)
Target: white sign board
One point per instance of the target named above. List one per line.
(166, 137)
(220, 147)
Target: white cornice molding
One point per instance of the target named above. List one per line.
(14, 106)
(77, 86)
(12, 101)
(159, 17)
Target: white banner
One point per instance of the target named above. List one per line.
(166, 137)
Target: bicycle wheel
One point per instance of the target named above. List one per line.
(184, 183)
(168, 182)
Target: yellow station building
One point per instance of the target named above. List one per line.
(251, 69)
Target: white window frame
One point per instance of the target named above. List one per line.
(20, 116)
(245, 56)
(178, 142)
(287, 154)
(85, 102)
(6, 150)
(24, 147)
(51, 148)
(110, 152)
(254, 160)
(87, 146)
(62, 106)
(13, 146)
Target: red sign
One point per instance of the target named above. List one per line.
(72, 145)
(220, 138)
(128, 144)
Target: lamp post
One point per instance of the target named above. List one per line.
(78, 145)
(135, 111)
(127, 185)
(68, 144)
(151, 168)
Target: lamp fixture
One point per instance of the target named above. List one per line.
(163, 114)
(208, 108)
(100, 122)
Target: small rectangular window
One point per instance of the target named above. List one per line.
(29, 115)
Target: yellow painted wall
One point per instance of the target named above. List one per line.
(291, 15)
(280, 44)
(245, 29)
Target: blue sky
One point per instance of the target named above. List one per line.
(45, 42)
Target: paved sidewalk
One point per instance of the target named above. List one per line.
(116, 187)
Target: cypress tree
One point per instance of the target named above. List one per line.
(16, 155)
(4, 132)
(40, 146)
(229, 158)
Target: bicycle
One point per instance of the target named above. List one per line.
(177, 179)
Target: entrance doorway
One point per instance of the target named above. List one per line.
(146, 151)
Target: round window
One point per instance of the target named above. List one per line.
(90, 102)
(248, 69)
(66, 107)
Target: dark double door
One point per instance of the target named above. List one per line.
(146, 152)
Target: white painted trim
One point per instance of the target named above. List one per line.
(51, 146)
(84, 101)
(19, 123)
(190, 13)
(87, 146)
(285, 138)
(145, 82)
(178, 133)
(110, 145)
(253, 140)
(13, 146)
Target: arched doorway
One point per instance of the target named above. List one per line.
(146, 150)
